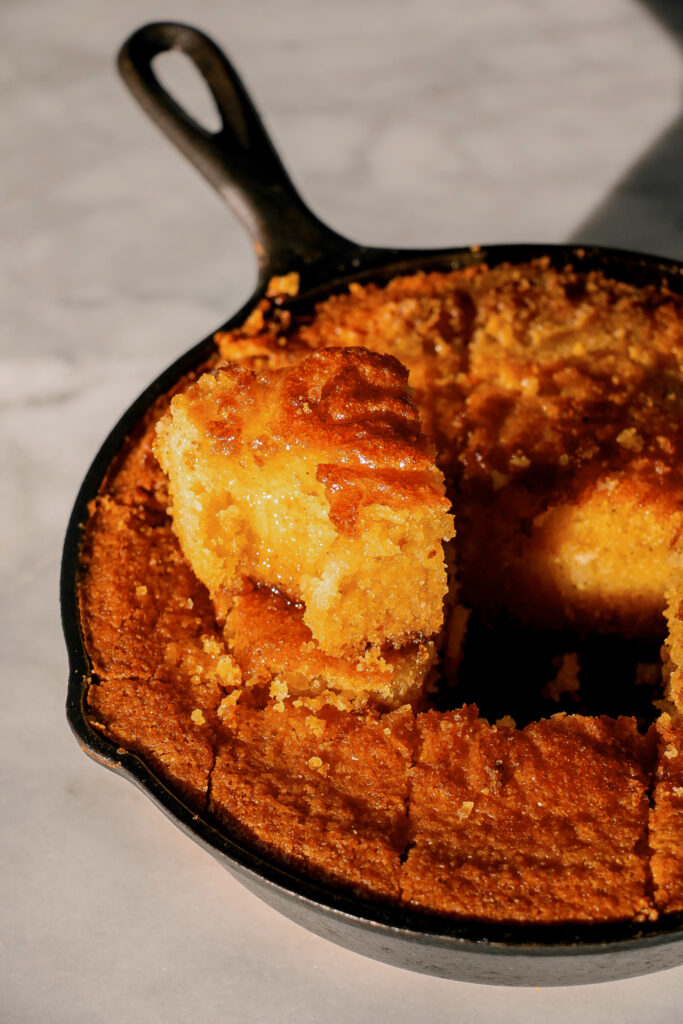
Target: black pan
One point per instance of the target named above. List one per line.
(242, 165)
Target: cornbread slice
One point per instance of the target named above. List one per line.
(325, 794)
(574, 450)
(597, 559)
(273, 647)
(161, 663)
(548, 823)
(314, 479)
(666, 817)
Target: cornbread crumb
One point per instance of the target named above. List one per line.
(315, 762)
(228, 671)
(506, 722)
(228, 703)
(286, 284)
(630, 438)
(566, 680)
(316, 725)
(197, 717)
(210, 645)
(466, 809)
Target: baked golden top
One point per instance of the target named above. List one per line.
(347, 406)
(570, 369)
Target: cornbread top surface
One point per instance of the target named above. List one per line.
(545, 823)
(347, 405)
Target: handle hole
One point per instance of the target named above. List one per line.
(181, 79)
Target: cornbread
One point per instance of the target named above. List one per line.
(553, 400)
(547, 823)
(324, 793)
(314, 479)
(152, 638)
(672, 652)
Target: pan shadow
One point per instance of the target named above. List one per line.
(644, 211)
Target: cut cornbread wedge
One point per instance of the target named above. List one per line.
(314, 479)
(573, 452)
(597, 559)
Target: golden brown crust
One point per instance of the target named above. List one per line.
(153, 718)
(325, 794)
(152, 638)
(545, 824)
(349, 405)
(138, 594)
(568, 369)
(513, 363)
(666, 818)
(423, 320)
(150, 629)
(349, 490)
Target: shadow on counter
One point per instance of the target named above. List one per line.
(644, 211)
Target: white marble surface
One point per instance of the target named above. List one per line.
(405, 122)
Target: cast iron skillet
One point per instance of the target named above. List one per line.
(242, 165)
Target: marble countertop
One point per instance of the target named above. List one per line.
(403, 123)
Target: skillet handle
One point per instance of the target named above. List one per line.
(239, 160)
